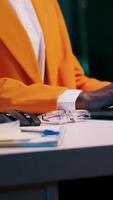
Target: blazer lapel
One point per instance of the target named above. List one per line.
(16, 39)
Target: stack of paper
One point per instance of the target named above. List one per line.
(10, 131)
(12, 135)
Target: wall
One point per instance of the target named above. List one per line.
(91, 31)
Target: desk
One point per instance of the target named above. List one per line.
(33, 173)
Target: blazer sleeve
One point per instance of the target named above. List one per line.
(86, 83)
(82, 81)
(37, 98)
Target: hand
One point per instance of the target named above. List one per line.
(96, 100)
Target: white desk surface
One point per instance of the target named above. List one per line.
(89, 133)
(86, 151)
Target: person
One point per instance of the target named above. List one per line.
(38, 70)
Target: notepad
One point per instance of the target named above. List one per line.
(10, 131)
(11, 135)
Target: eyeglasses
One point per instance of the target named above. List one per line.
(59, 117)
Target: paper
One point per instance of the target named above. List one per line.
(10, 131)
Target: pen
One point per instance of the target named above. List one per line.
(49, 132)
(45, 132)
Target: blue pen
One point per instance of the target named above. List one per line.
(49, 132)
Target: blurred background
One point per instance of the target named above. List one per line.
(90, 26)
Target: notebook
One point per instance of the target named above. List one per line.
(11, 135)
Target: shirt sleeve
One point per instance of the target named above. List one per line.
(67, 100)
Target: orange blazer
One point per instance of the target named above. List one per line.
(20, 79)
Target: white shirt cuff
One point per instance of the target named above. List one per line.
(67, 100)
